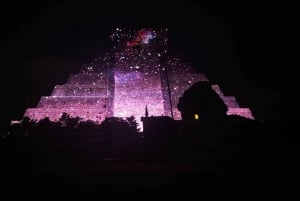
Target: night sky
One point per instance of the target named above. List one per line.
(248, 49)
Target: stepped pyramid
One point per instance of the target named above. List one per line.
(137, 72)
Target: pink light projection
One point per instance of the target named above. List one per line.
(124, 81)
(244, 112)
(232, 104)
(137, 84)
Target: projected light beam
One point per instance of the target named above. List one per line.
(124, 80)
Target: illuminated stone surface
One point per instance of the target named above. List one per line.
(244, 112)
(136, 73)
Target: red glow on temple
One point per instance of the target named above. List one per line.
(143, 36)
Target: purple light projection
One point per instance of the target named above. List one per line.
(232, 104)
(137, 84)
(123, 81)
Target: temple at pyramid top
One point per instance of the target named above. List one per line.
(138, 71)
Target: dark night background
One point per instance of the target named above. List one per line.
(247, 48)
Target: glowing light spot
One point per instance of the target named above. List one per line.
(196, 116)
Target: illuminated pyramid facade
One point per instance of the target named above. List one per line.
(137, 73)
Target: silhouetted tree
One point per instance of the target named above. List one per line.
(132, 123)
(44, 124)
(213, 132)
(67, 121)
(200, 99)
(28, 124)
(64, 119)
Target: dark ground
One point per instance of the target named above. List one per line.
(132, 180)
(50, 172)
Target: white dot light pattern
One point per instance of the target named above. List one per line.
(124, 80)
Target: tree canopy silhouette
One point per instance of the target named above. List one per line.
(201, 100)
